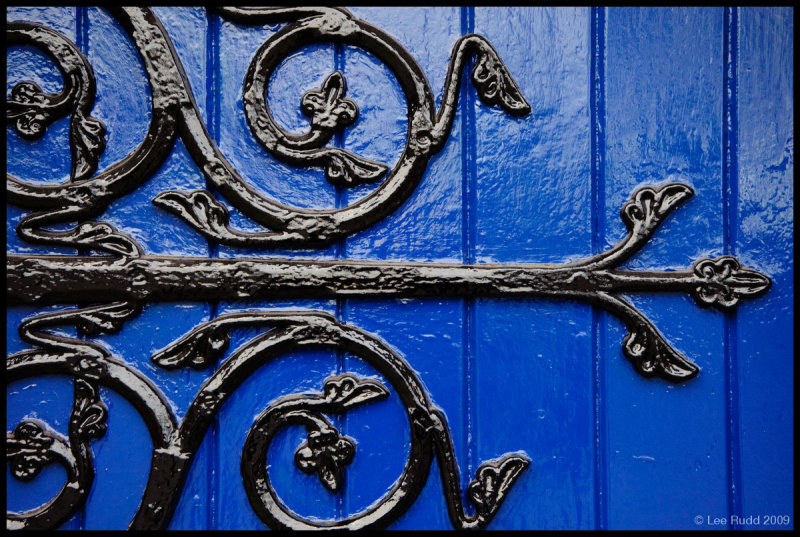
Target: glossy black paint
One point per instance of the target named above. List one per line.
(720, 282)
(127, 277)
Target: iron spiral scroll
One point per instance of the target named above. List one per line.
(112, 286)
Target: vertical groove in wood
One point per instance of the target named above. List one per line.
(764, 239)
(730, 204)
(468, 228)
(212, 106)
(82, 28)
(597, 105)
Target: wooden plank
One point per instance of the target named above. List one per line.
(297, 372)
(427, 227)
(46, 160)
(302, 71)
(532, 378)
(665, 443)
(122, 457)
(305, 187)
(764, 239)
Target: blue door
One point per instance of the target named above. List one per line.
(415, 268)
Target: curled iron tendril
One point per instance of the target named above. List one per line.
(32, 445)
(718, 282)
(124, 278)
(326, 452)
(175, 113)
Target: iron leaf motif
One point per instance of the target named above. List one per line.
(30, 109)
(347, 170)
(496, 87)
(650, 206)
(89, 142)
(199, 349)
(89, 413)
(724, 282)
(347, 391)
(492, 482)
(198, 208)
(327, 453)
(651, 355)
(108, 319)
(328, 108)
(132, 278)
(104, 237)
(28, 449)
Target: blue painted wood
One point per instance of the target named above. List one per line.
(665, 445)
(620, 98)
(47, 160)
(428, 333)
(125, 109)
(43, 160)
(764, 237)
(536, 208)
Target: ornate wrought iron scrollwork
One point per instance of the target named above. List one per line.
(124, 277)
(175, 444)
(32, 445)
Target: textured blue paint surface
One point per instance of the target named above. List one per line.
(765, 239)
(663, 123)
(426, 332)
(536, 209)
(620, 98)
